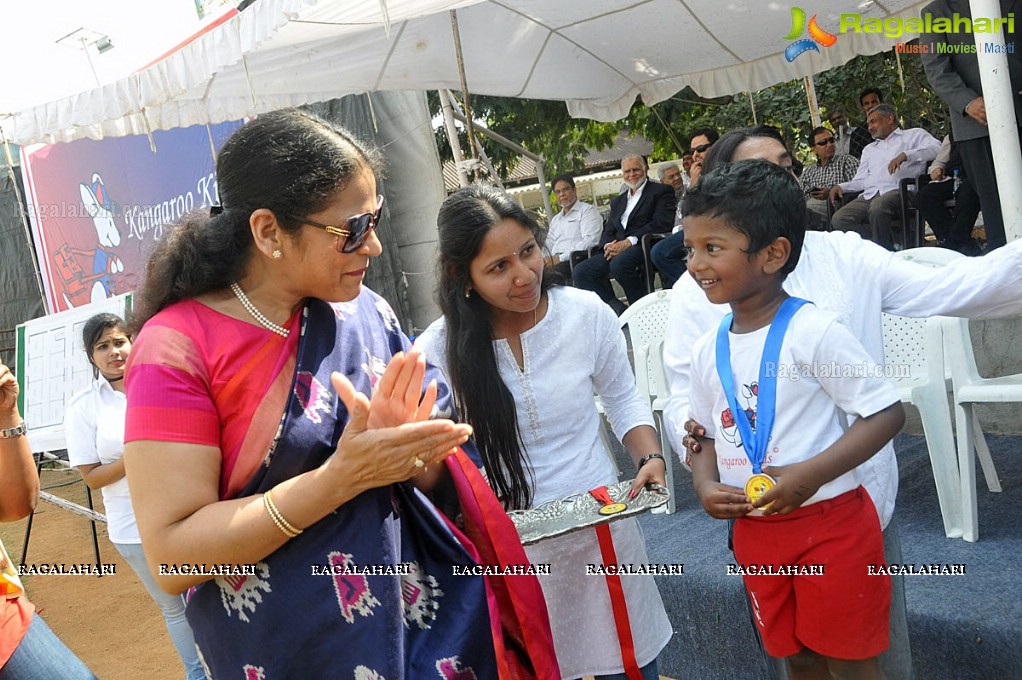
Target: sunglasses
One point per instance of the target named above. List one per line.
(701, 148)
(355, 231)
(825, 142)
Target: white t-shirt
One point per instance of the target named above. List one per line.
(94, 425)
(823, 376)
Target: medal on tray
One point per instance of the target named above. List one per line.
(609, 505)
(755, 440)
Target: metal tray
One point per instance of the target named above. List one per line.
(579, 511)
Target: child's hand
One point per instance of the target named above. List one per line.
(795, 485)
(723, 501)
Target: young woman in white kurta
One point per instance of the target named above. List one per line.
(553, 349)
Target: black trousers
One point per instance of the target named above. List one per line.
(978, 160)
(952, 227)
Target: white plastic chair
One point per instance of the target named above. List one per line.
(915, 348)
(646, 324)
(970, 389)
(918, 345)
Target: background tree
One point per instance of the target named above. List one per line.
(544, 127)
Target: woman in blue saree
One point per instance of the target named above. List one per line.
(308, 516)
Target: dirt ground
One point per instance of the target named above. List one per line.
(108, 621)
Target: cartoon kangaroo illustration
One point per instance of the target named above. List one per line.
(105, 262)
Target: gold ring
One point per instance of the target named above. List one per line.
(419, 463)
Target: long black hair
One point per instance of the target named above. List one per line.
(482, 398)
(290, 162)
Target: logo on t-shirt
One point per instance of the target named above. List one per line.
(749, 398)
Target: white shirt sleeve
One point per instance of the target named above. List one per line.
(80, 430)
(591, 227)
(691, 315)
(860, 388)
(985, 287)
(613, 378)
(703, 392)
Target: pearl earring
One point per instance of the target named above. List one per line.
(277, 254)
(468, 292)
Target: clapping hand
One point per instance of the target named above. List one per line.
(391, 437)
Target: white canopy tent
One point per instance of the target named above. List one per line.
(596, 55)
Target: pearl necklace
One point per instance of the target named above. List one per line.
(256, 314)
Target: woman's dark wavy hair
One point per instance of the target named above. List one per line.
(288, 161)
(93, 330)
(724, 150)
(483, 399)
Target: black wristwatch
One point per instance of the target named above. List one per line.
(646, 459)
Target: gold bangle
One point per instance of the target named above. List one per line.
(285, 527)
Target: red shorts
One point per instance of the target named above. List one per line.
(843, 613)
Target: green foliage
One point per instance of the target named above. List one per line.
(544, 127)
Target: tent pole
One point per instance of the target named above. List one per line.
(752, 106)
(452, 136)
(456, 33)
(999, 100)
(489, 166)
(541, 177)
(517, 148)
(814, 106)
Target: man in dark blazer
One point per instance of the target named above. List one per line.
(646, 207)
(954, 75)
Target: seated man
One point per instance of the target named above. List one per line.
(670, 174)
(577, 227)
(646, 207)
(953, 228)
(893, 155)
(831, 168)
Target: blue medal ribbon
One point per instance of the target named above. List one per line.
(755, 441)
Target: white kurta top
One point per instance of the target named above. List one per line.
(94, 426)
(577, 349)
(856, 280)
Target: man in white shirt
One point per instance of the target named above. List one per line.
(893, 155)
(576, 227)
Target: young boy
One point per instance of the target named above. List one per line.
(774, 385)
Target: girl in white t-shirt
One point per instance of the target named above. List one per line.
(95, 446)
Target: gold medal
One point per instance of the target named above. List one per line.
(758, 485)
(613, 508)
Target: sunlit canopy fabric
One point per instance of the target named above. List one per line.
(595, 55)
